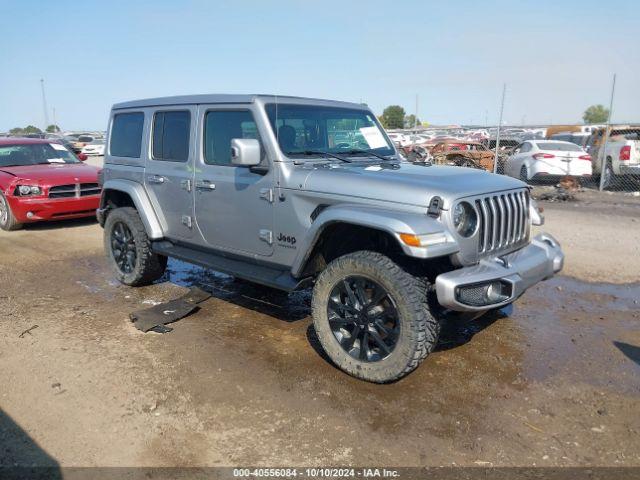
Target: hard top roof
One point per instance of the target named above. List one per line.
(229, 98)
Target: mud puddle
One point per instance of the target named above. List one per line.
(563, 327)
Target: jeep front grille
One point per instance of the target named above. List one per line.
(74, 190)
(503, 221)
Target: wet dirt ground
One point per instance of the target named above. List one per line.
(243, 381)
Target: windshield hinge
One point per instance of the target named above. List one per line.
(266, 194)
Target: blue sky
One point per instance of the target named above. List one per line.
(556, 57)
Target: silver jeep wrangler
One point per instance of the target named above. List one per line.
(291, 192)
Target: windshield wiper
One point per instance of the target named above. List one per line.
(320, 152)
(354, 151)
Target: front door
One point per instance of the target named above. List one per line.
(233, 205)
(169, 170)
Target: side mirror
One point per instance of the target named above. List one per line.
(245, 152)
(82, 157)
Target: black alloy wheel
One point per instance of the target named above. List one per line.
(123, 248)
(363, 318)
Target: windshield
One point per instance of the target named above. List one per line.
(34, 154)
(311, 128)
(559, 146)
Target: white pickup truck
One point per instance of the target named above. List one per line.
(622, 154)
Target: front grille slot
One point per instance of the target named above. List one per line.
(74, 190)
(503, 221)
(88, 189)
(62, 191)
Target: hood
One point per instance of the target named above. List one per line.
(408, 183)
(54, 174)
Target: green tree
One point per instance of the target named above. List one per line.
(31, 129)
(16, 131)
(595, 114)
(53, 129)
(410, 121)
(393, 117)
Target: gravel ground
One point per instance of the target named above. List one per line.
(243, 382)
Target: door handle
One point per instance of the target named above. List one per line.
(155, 179)
(205, 185)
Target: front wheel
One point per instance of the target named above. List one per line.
(524, 174)
(128, 249)
(372, 318)
(8, 221)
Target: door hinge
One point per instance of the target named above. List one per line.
(186, 221)
(266, 236)
(186, 185)
(266, 194)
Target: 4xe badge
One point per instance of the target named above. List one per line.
(288, 241)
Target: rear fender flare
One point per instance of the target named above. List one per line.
(141, 201)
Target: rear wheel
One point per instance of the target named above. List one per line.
(128, 249)
(8, 221)
(608, 174)
(524, 174)
(372, 318)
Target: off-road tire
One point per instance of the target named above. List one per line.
(8, 223)
(419, 329)
(148, 265)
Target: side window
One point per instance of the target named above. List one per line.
(171, 136)
(126, 134)
(220, 127)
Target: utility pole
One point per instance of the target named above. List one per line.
(415, 120)
(55, 122)
(495, 158)
(44, 106)
(603, 151)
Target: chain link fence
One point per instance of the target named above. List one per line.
(600, 157)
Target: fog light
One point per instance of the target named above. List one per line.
(29, 214)
(484, 294)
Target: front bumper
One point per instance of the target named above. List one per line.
(538, 261)
(37, 209)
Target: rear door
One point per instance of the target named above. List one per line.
(233, 204)
(169, 169)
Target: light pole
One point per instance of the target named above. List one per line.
(44, 106)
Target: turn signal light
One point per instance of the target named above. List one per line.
(410, 239)
(425, 240)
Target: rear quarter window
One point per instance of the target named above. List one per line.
(126, 134)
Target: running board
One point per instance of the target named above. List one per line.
(261, 274)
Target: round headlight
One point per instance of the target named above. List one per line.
(24, 189)
(465, 219)
(35, 191)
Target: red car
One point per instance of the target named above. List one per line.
(42, 180)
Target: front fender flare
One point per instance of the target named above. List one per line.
(392, 222)
(140, 199)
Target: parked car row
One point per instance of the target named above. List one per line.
(529, 153)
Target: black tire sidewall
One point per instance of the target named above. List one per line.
(11, 223)
(524, 173)
(395, 281)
